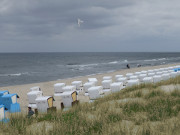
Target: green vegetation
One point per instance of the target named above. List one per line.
(139, 110)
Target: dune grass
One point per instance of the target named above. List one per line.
(138, 110)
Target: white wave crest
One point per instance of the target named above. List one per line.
(16, 74)
(113, 62)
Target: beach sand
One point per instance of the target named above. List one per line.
(48, 87)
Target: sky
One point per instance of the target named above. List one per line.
(108, 26)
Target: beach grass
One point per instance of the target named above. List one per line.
(146, 109)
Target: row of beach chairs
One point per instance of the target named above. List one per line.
(67, 95)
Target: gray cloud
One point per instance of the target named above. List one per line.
(116, 25)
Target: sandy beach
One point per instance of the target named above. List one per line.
(48, 89)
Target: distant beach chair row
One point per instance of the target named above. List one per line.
(68, 94)
(8, 102)
(151, 76)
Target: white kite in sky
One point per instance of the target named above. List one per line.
(79, 22)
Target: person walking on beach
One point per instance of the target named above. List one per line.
(128, 66)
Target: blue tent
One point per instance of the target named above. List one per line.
(3, 93)
(10, 103)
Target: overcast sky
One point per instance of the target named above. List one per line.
(109, 25)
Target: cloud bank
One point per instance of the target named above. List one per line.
(116, 25)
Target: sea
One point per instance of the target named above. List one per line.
(26, 68)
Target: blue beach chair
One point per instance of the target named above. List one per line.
(10, 103)
(177, 69)
(2, 93)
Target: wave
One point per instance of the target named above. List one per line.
(72, 64)
(82, 67)
(151, 60)
(16, 74)
(160, 59)
(113, 62)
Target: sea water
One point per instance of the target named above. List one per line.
(24, 68)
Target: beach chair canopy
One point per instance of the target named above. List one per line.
(32, 95)
(77, 84)
(107, 77)
(58, 87)
(36, 88)
(69, 88)
(93, 80)
(10, 98)
(4, 92)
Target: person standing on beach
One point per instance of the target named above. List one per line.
(128, 66)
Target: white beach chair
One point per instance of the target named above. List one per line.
(170, 68)
(162, 69)
(165, 72)
(157, 78)
(133, 77)
(107, 78)
(118, 76)
(36, 88)
(166, 69)
(156, 70)
(128, 75)
(148, 80)
(173, 74)
(95, 92)
(132, 82)
(58, 87)
(68, 98)
(93, 80)
(143, 72)
(159, 73)
(106, 84)
(150, 71)
(169, 71)
(44, 103)
(142, 76)
(178, 73)
(87, 85)
(137, 73)
(32, 95)
(151, 74)
(77, 84)
(116, 86)
(165, 76)
(123, 80)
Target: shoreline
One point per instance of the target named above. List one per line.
(89, 75)
(48, 87)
